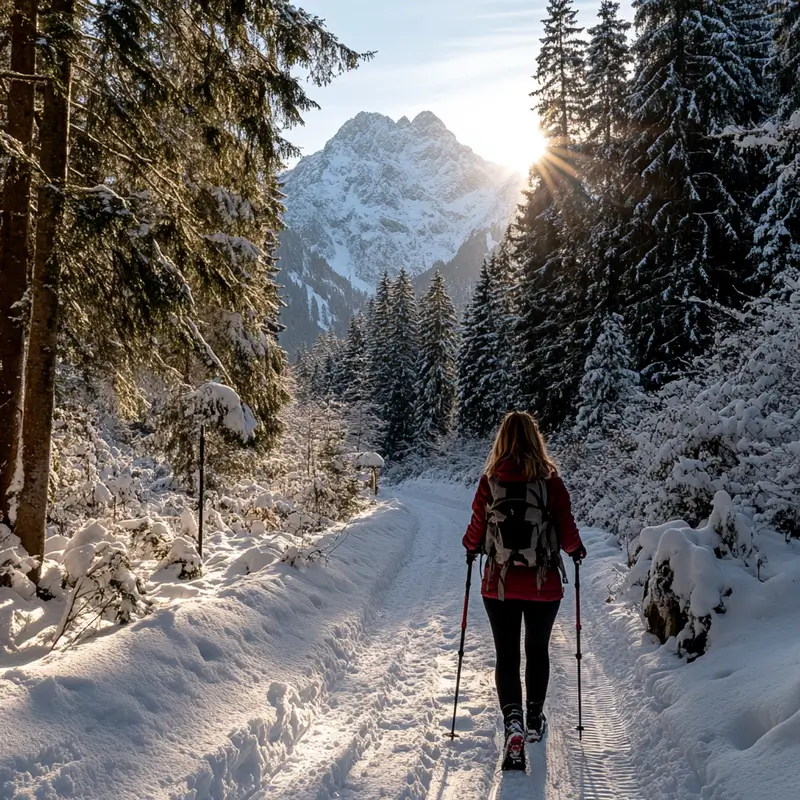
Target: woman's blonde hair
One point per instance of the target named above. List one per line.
(520, 440)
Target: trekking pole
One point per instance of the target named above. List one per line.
(201, 500)
(470, 561)
(578, 654)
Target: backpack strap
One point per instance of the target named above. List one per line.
(501, 583)
(554, 544)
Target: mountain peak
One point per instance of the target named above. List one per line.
(427, 120)
(363, 122)
(384, 194)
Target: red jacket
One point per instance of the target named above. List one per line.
(521, 581)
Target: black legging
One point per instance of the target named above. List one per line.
(505, 617)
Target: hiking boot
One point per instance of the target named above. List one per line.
(514, 749)
(535, 722)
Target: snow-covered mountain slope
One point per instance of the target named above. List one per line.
(317, 298)
(384, 194)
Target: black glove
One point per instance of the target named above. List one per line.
(578, 555)
(472, 555)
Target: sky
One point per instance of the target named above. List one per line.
(468, 61)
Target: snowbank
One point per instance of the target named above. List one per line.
(198, 700)
(687, 573)
(735, 712)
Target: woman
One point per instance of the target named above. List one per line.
(521, 518)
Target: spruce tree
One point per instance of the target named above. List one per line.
(399, 414)
(550, 234)
(609, 382)
(560, 77)
(777, 237)
(479, 364)
(687, 239)
(363, 423)
(754, 21)
(550, 313)
(607, 60)
(355, 364)
(326, 370)
(438, 365)
(504, 272)
(379, 348)
(158, 153)
(302, 372)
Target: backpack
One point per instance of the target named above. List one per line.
(520, 530)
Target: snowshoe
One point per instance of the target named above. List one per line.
(514, 749)
(536, 725)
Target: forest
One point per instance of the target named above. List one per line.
(643, 305)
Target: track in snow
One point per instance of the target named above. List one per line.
(381, 730)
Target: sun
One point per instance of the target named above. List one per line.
(524, 147)
(538, 145)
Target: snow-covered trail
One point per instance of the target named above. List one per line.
(335, 679)
(381, 730)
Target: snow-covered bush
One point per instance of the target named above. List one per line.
(101, 582)
(15, 565)
(719, 449)
(148, 538)
(733, 426)
(683, 584)
(182, 560)
(119, 519)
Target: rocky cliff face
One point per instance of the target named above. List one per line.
(383, 195)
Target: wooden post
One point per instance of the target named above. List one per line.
(202, 489)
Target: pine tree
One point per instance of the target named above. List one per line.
(687, 237)
(607, 60)
(403, 345)
(159, 147)
(608, 123)
(438, 367)
(480, 364)
(560, 78)
(609, 382)
(777, 237)
(379, 348)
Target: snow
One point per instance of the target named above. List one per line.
(369, 460)
(220, 403)
(384, 195)
(206, 696)
(734, 712)
(334, 678)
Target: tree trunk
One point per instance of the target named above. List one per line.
(40, 365)
(15, 246)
